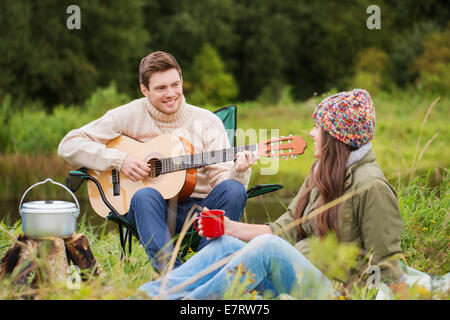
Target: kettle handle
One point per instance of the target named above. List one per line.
(42, 182)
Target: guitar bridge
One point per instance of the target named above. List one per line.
(116, 182)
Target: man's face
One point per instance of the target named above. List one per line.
(165, 91)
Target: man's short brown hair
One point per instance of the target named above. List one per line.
(156, 62)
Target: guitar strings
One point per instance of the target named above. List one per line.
(201, 159)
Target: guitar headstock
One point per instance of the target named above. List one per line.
(284, 147)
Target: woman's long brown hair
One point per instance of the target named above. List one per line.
(329, 179)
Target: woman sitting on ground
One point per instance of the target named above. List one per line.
(369, 216)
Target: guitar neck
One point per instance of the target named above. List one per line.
(198, 160)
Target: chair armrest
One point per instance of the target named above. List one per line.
(261, 189)
(75, 179)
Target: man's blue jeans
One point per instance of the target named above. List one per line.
(148, 213)
(273, 265)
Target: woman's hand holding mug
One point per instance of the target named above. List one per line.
(211, 223)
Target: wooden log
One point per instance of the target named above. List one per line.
(79, 252)
(52, 254)
(36, 261)
(9, 261)
(27, 265)
(20, 263)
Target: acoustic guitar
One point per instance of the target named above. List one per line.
(173, 170)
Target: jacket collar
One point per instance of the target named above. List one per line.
(369, 156)
(356, 159)
(358, 154)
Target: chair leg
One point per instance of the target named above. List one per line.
(123, 240)
(128, 235)
(130, 240)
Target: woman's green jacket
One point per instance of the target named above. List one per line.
(369, 217)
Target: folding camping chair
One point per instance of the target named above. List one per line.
(75, 178)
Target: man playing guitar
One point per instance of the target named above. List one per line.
(163, 110)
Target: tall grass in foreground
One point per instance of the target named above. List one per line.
(425, 237)
(424, 241)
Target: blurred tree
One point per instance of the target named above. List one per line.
(342, 34)
(5, 116)
(436, 52)
(14, 50)
(183, 27)
(115, 40)
(405, 48)
(45, 60)
(207, 81)
(433, 65)
(274, 36)
(411, 21)
(268, 45)
(308, 45)
(407, 13)
(371, 66)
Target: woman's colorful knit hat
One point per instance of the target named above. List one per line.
(348, 116)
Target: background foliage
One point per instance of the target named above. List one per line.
(262, 46)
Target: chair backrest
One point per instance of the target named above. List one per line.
(228, 115)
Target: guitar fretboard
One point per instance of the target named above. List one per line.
(197, 160)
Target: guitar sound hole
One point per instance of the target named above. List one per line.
(156, 167)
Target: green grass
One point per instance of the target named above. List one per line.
(424, 241)
(426, 230)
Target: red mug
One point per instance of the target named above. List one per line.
(212, 223)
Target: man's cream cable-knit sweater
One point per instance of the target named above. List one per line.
(140, 120)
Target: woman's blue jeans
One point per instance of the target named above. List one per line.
(148, 213)
(273, 265)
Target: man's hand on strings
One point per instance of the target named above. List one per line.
(245, 160)
(134, 168)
